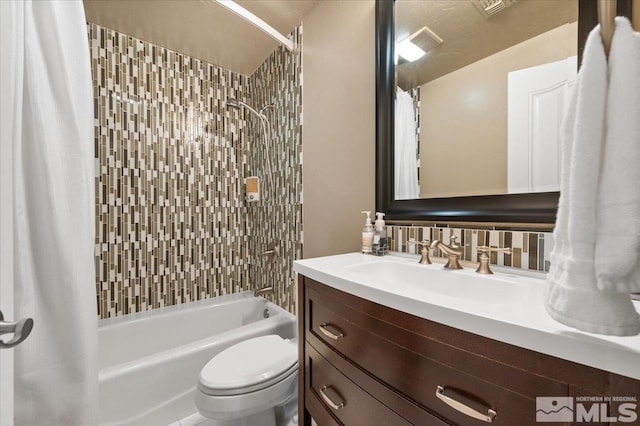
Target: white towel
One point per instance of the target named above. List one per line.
(618, 213)
(572, 295)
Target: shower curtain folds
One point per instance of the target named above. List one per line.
(405, 168)
(56, 368)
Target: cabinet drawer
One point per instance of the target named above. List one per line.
(344, 400)
(417, 366)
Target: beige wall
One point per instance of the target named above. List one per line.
(463, 118)
(338, 130)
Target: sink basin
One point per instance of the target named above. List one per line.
(429, 281)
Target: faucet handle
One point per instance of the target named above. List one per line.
(272, 253)
(426, 245)
(487, 249)
(423, 243)
(484, 268)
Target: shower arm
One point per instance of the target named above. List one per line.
(266, 128)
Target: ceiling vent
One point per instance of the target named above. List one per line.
(425, 39)
(488, 8)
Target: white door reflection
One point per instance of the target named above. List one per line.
(537, 101)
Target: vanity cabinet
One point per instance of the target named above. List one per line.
(362, 363)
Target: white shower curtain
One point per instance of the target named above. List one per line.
(52, 104)
(405, 153)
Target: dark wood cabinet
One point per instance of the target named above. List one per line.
(366, 364)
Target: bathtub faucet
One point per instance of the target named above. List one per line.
(263, 291)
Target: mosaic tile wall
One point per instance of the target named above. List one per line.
(531, 250)
(172, 223)
(278, 217)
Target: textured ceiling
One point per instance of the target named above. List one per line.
(469, 36)
(201, 28)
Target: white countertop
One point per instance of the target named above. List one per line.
(524, 323)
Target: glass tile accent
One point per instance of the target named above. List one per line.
(172, 223)
(537, 245)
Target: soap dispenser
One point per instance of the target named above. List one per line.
(379, 245)
(367, 234)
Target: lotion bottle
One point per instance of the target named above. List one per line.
(379, 245)
(367, 234)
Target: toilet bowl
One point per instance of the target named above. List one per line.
(252, 383)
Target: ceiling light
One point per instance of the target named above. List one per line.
(257, 21)
(409, 51)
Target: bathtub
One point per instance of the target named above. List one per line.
(150, 361)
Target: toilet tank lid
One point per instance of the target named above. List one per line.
(249, 362)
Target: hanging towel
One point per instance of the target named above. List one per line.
(572, 295)
(406, 148)
(618, 212)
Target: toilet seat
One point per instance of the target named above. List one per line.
(250, 388)
(249, 366)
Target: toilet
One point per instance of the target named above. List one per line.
(252, 383)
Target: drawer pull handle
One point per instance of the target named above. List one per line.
(465, 409)
(329, 401)
(324, 328)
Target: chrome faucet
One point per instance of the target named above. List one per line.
(263, 291)
(454, 251)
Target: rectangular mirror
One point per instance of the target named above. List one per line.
(479, 106)
(469, 160)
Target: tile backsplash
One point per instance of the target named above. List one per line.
(531, 250)
(172, 224)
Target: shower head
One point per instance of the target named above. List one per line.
(233, 103)
(238, 104)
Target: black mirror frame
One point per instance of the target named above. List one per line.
(539, 208)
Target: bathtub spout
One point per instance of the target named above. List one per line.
(263, 291)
